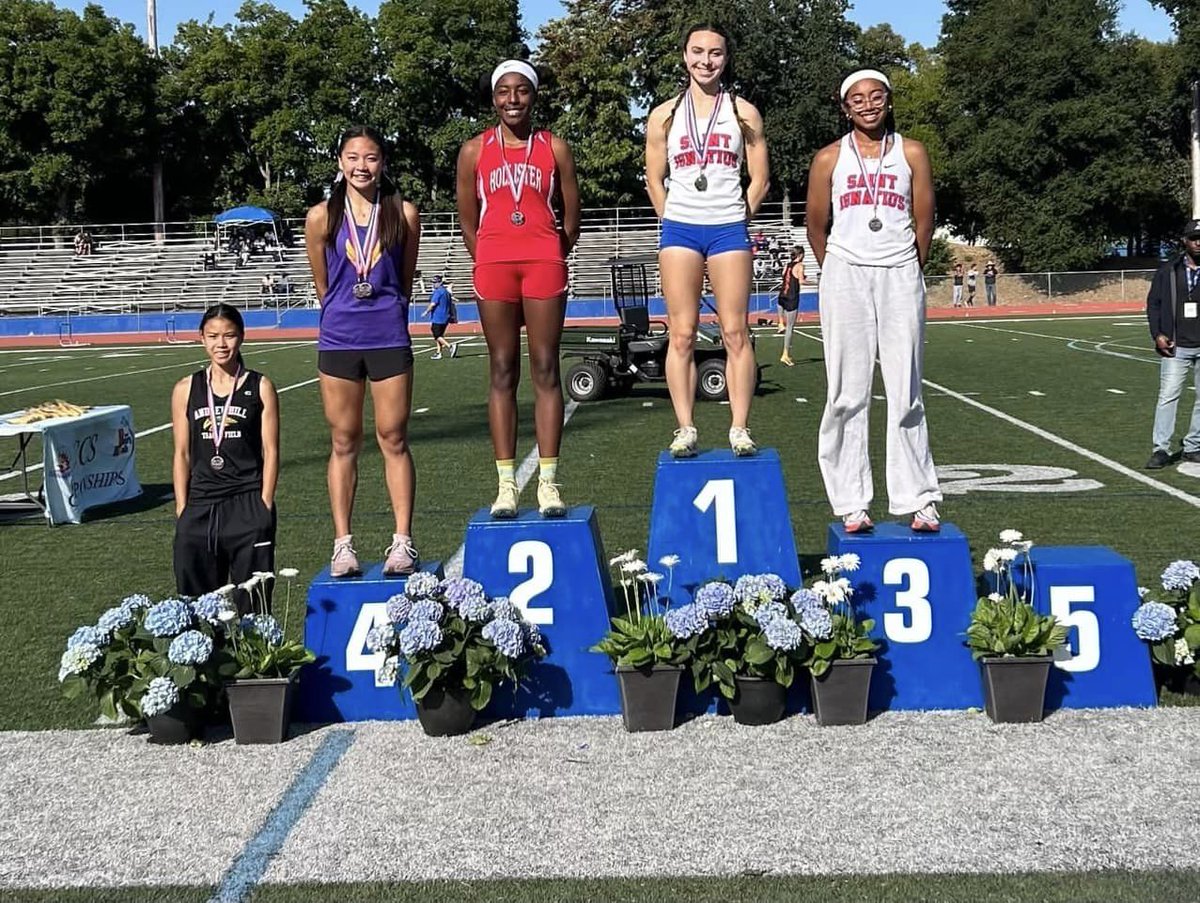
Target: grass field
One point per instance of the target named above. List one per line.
(1089, 382)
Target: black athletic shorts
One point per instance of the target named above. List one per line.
(374, 364)
(438, 329)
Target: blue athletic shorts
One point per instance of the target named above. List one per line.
(705, 240)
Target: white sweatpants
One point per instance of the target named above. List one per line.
(864, 310)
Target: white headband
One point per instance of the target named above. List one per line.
(518, 66)
(858, 76)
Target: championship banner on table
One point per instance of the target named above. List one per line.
(89, 462)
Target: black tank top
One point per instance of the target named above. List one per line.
(241, 443)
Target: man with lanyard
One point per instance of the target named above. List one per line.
(1173, 311)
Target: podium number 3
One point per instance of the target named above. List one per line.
(535, 558)
(915, 599)
(719, 493)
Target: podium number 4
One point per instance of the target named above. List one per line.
(719, 494)
(371, 614)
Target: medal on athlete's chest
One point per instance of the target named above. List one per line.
(517, 218)
(875, 224)
(363, 290)
(219, 418)
(364, 251)
(700, 142)
(701, 182)
(516, 181)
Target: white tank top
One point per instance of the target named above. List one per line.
(723, 200)
(854, 206)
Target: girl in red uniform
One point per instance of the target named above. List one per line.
(507, 178)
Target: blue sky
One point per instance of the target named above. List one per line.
(916, 20)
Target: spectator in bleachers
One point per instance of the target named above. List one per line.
(266, 285)
(283, 285)
(79, 242)
(208, 257)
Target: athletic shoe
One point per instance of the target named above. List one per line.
(780, 329)
(436, 357)
(505, 506)
(857, 522)
(454, 350)
(684, 443)
(401, 559)
(344, 562)
(1192, 457)
(550, 503)
(786, 360)
(926, 520)
(1158, 460)
(740, 441)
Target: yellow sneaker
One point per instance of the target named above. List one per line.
(550, 503)
(683, 444)
(505, 505)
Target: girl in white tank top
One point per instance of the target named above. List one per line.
(722, 200)
(872, 206)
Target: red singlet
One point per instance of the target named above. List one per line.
(499, 239)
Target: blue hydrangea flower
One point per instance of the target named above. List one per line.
(421, 585)
(769, 612)
(805, 599)
(1180, 575)
(782, 633)
(506, 636)
(1154, 621)
(381, 637)
(753, 590)
(460, 591)
(88, 636)
(427, 610)
(160, 696)
(817, 622)
(533, 635)
(265, 626)
(419, 636)
(504, 610)
(114, 619)
(78, 659)
(136, 602)
(687, 621)
(190, 648)
(715, 600)
(169, 617)
(399, 607)
(475, 608)
(208, 607)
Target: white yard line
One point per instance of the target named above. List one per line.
(1057, 338)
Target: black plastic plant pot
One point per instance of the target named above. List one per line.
(840, 695)
(1014, 687)
(179, 724)
(446, 713)
(648, 697)
(261, 708)
(757, 701)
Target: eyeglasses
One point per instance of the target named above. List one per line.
(870, 102)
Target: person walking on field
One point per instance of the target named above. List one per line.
(438, 311)
(695, 144)
(879, 188)
(789, 301)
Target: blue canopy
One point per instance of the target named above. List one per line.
(244, 214)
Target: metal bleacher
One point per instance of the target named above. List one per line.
(141, 268)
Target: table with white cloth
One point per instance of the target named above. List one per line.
(87, 460)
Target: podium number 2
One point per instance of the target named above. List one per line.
(719, 493)
(1085, 622)
(535, 558)
(915, 599)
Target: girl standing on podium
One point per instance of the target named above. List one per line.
(225, 421)
(704, 215)
(872, 296)
(362, 247)
(508, 178)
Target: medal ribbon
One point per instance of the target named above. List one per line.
(365, 249)
(219, 424)
(878, 170)
(693, 125)
(515, 185)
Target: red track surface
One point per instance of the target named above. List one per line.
(464, 329)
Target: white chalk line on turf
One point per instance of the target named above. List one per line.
(529, 466)
(1056, 338)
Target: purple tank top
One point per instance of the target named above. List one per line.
(353, 324)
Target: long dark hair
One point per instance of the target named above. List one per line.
(727, 75)
(391, 219)
(226, 312)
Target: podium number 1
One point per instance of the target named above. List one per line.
(719, 493)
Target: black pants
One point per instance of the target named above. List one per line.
(224, 542)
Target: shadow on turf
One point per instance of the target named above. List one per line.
(154, 496)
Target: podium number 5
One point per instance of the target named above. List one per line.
(915, 599)
(535, 558)
(1085, 622)
(719, 493)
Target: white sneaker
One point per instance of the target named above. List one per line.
(454, 350)
(740, 441)
(436, 357)
(507, 494)
(926, 520)
(857, 522)
(401, 559)
(344, 562)
(684, 443)
(550, 503)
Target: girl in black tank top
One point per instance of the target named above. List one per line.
(226, 428)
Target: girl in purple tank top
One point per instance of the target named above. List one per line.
(362, 246)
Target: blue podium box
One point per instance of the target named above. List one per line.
(920, 590)
(724, 516)
(341, 685)
(1092, 590)
(555, 570)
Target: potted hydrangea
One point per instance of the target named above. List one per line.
(147, 660)
(746, 640)
(842, 659)
(455, 644)
(1014, 644)
(1171, 626)
(647, 657)
(259, 664)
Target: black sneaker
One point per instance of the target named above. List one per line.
(1190, 457)
(1158, 460)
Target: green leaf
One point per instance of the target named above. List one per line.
(482, 696)
(759, 653)
(1192, 636)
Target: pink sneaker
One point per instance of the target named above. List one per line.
(857, 522)
(401, 559)
(344, 562)
(927, 520)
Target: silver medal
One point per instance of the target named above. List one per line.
(518, 218)
(217, 462)
(363, 290)
(701, 182)
(875, 224)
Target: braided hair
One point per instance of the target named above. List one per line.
(727, 77)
